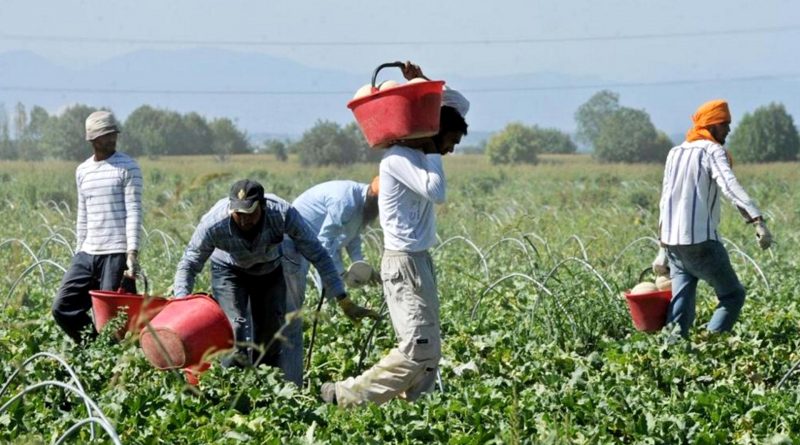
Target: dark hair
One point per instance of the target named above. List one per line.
(451, 120)
(370, 209)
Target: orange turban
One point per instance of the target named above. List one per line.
(710, 113)
(375, 185)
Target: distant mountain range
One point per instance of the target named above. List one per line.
(267, 95)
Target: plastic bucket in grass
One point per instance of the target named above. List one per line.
(408, 111)
(139, 309)
(185, 332)
(649, 310)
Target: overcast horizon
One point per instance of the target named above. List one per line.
(672, 48)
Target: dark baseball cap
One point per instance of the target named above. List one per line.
(245, 196)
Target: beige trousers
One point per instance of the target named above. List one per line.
(409, 370)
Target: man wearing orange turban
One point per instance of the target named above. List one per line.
(696, 173)
(711, 116)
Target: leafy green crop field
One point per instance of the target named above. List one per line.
(538, 345)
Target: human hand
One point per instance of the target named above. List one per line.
(360, 273)
(661, 263)
(376, 277)
(762, 235)
(355, 312)
(411, 71)
(132, 263)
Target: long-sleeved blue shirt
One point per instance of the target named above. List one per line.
(218, 237)
(335, 212)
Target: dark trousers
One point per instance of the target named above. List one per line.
(256, 308)
(86, 272)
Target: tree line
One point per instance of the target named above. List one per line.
(614, 133)
(617, 133)
(146, 132)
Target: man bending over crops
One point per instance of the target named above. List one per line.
(337, 211)
(242, 234)
(696, 172)
(108, 230)
(411, 182)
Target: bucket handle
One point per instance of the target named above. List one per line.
(139, 276)
(397, 64)
(643, 273)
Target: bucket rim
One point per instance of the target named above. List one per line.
(110, 295)
(659, 294)
(353, 103)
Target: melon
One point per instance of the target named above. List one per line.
(645, 287)
(663, 283)
(365, 90)
(388, 84)
(417, 80)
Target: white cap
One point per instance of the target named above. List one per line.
(454, 99)
(100, 123)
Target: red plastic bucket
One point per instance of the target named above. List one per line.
(187, 330)
(139, 308)
(649, 310)
(407, 111)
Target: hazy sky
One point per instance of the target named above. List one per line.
(610, 43)
(471, 38)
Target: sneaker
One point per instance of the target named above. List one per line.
(328, 392)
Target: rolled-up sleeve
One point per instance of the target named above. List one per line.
(306, 242)
(194, 257)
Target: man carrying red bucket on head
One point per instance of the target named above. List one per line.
(411, 181)
(697, 172)
(242, 234)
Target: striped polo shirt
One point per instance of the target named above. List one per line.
(109, 205)
(695, 175)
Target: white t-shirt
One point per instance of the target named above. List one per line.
(411, 182)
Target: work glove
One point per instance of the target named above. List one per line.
(355, 312)
(376, 277)
(362, 276)
(133, 264)
(762, 235)
(661, 263)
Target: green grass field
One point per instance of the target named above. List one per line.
(538, 345)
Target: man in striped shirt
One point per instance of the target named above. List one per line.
(242, 234)
(696, 176)
(108, 229)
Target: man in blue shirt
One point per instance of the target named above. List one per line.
(242, 234)
(337, 211)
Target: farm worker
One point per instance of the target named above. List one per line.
(108, 229)
(696, 174)
(411, 182)
(242, 234)
(337, 211)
